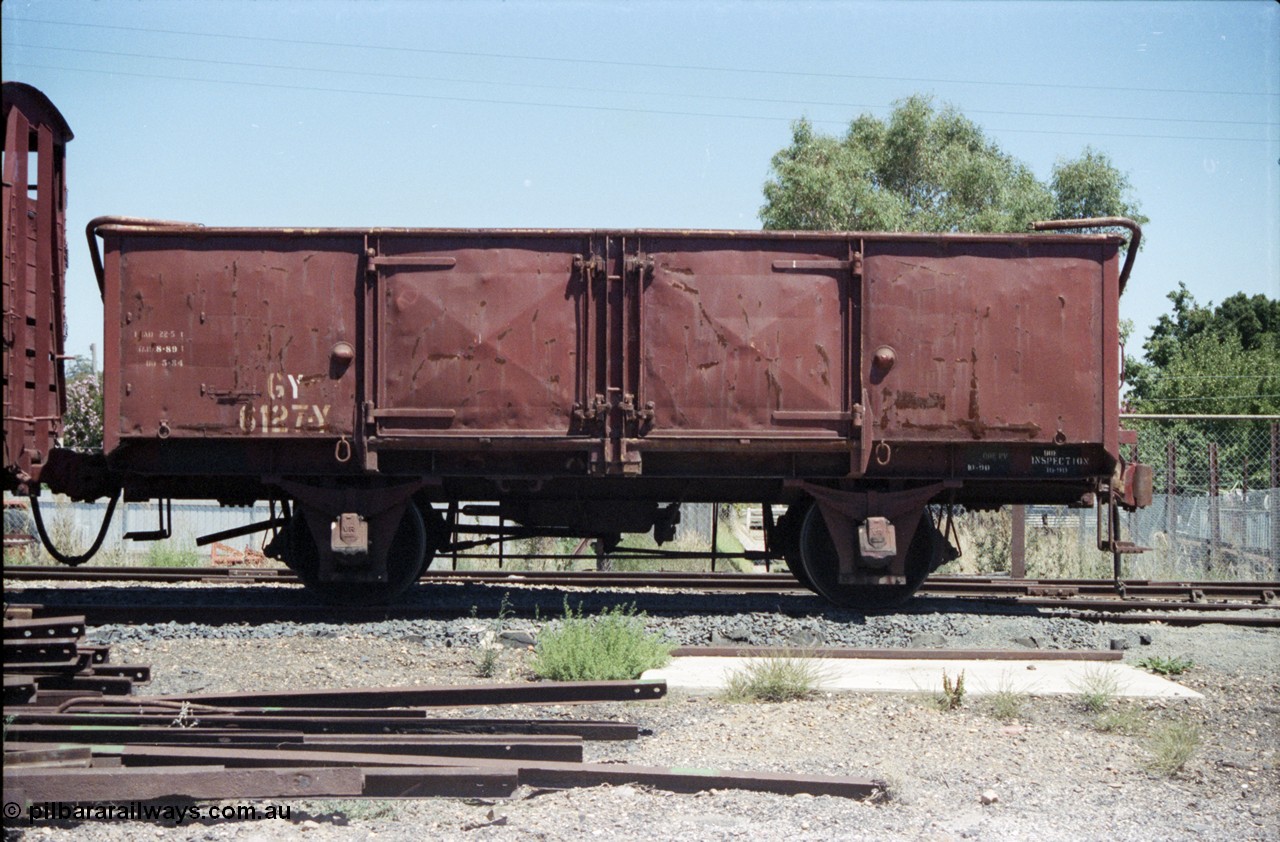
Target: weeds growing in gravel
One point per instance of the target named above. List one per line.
(172, 553)
(359, 809)
(611, 646)
(1122, 719)
(952, 696)
(491, 646)
(1166, 666)
(1005, 702)
(782, 678)
(1098, 688)
(1171, 746)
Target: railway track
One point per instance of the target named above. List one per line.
(1129, 601)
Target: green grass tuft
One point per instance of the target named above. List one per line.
(1098, 688)
(171, 553)
(1006, 703)
(1122, 719)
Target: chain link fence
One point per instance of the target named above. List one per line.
(1216, 511)
(1215, 514)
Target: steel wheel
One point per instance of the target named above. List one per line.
(406, 561)
(817, 555)
(788, 532)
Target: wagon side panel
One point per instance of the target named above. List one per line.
(34, 270)
(992, 343)
(480, 335)
(749, 338)
(234, 336)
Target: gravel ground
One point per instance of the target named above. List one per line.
(1050, 773)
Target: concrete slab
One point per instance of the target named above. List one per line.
(707, 676)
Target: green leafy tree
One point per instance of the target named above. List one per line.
(927, 169)
(82, 422)
(1205, 360)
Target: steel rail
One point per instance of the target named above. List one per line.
(1261, 591)
(392, 722)
(541, 693)
(907, 654)
(536, 773)
(1084, 609)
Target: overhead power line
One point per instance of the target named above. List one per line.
(648, 65)
(581, 89)
(584, 107)
(1210, 376)
(1212, 398)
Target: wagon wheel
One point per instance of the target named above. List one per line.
(406, 561)
(788, 532)
(817, 556)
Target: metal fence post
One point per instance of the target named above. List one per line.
(1018, 546)
(715, 535)
(1274, 513)
(1171, 499)
(1215, 505)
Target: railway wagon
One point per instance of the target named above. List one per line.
(586, 383)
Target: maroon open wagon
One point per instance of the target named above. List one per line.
(587, 382)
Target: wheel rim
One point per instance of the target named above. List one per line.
(788, 530)
(821, 563)
(406, 560)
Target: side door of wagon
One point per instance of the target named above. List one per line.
(750, 338)
(480, 337)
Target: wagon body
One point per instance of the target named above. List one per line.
(576, 383)
(667, 364)
(34, 258)
(587, 382)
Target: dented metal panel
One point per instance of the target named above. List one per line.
(811, 354)
(231, 337)
(479, 334)
(989, 342)
(749, 337)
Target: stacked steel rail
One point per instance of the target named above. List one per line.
(46, 660)
(94, 743)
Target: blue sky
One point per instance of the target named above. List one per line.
(595, 114)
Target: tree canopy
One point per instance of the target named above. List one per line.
(1222, 360)
(927, 169)
(1202, 360)
(82, 422)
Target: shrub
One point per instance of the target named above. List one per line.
(952, 695)
(611, 646)
(169, 553)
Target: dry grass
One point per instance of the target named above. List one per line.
(780, 678)
(1171, 746)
